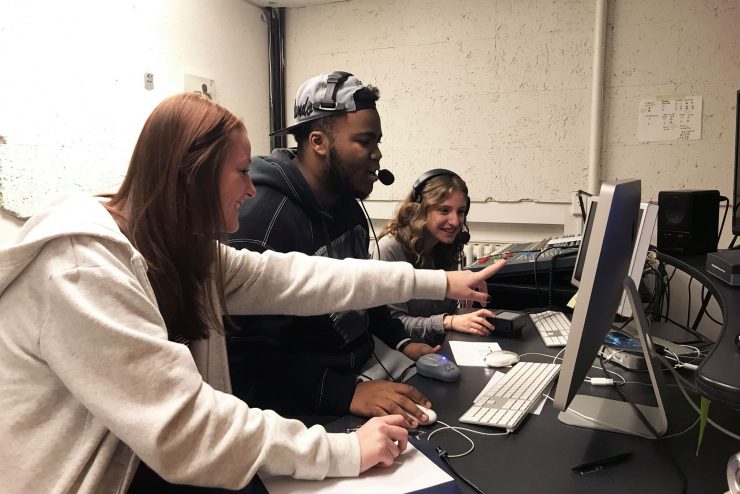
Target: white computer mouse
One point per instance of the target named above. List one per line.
(501, 358)
(430, 413)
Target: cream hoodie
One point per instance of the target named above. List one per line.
(89, 382)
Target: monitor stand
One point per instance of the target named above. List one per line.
(619, 416)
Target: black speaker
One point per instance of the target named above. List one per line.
(688, 221)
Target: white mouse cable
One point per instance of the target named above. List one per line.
(445, 457)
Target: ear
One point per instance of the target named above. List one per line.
(319, 143)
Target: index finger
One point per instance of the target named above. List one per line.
(396, 420)
(489, 271)
(484, 313)
(398, 434)
(415, 395)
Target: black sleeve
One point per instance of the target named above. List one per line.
(386, 327)
(266, 374)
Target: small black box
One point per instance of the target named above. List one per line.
(509, 323)
(725, 265)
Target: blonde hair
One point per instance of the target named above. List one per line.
(408, 226)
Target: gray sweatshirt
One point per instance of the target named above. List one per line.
(422, 319)
(90, 382)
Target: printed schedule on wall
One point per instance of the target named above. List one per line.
(669, 118)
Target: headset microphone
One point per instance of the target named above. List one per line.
(463, 237)
(386, 177)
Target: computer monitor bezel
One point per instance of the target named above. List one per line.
(645, 229)
(575, 278)
(603, 279)
(647, 220)
(736, 183)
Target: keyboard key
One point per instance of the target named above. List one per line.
(507, 403)
(552, 326)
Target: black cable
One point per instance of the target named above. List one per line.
(688, 311)
(443, 456)
(549, 283)
(370, 336)
(656, 303)
(724, 216)
(703, 289)
(552, 276)
(668, 293)
(580, 195)
(370, 222)
(403, 374)
(372, 345)
(534, 268)
(658, 441)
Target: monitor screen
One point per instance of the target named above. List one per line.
(605, 265)
(647, 217)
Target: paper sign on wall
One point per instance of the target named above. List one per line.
(670, 118)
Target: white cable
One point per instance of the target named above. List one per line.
(604, 425)
(601, 381)
(674, 357)
(540, 354)
(458, 429)
(698, 352)
(683, 431)
(693, 405)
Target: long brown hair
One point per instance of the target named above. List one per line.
(170, 197)
(408, 225)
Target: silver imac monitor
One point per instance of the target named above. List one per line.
(648, 215)
(611, 241)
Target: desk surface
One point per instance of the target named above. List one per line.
(718, 377)
(539, 456)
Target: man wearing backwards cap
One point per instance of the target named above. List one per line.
(307, 201)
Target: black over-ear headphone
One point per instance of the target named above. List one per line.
(464, 236)
(329, 101)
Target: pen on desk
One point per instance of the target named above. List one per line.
(594, 466)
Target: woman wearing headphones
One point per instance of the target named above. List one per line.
(429, 231)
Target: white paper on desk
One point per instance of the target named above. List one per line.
(412, 471)
(472, 353)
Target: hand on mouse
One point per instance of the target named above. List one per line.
(471, 285)
(379, 398)
(471, 323)
(382, 439)
(416, 350)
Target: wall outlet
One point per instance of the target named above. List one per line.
(201, 85)
(148, 81)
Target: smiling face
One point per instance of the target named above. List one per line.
(445, 220)
(235, 185)
(354, 154)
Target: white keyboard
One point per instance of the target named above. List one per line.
(509, 400)
(552, 326)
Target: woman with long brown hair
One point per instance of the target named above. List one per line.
(111, 342)
(428, 231)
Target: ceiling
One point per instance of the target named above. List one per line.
(291, 4)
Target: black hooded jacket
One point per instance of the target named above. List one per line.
(302, 365)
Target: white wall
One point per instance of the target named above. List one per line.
(72, 97)
(499, 91)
